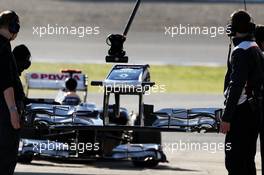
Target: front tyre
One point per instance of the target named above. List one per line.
(145, 164)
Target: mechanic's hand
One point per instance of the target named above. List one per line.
(224, 127)
(15, 119)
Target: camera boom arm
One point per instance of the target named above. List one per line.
(131, 18)
(116, 53)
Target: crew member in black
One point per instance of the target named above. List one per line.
(22, 57)
(243, 81)
(9, 94)
(259, 35)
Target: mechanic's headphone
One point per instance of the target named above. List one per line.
(234, 26)
(259, 34)
(231, 29)
(13, 22)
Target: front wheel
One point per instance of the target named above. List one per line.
(146, 164)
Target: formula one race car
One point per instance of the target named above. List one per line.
(88, 132)
(46, 130)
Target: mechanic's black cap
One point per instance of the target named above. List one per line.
(22, 56)
(71, 84)
(259, 33)
(241, 22)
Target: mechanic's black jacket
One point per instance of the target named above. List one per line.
(8, 78)
(244, 76)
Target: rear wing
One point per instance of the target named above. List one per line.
(55, 81)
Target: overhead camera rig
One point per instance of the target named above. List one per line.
(116, 53)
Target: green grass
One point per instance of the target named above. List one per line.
(180, 79)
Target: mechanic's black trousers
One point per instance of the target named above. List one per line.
(9, 140)
(241, 141)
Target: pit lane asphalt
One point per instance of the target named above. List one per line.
(182, 160)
